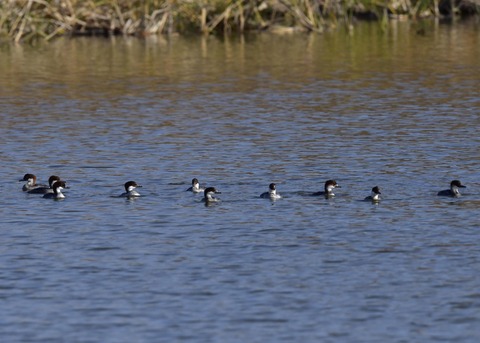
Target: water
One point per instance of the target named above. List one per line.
(394, 109)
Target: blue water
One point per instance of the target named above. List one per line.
(164, 267)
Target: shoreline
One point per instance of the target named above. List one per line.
(29, 20)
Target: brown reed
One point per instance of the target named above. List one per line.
(24, 20)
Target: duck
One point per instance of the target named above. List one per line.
(195, 187)
(375, 196)
(330, 185)
(272, 193)
(208, 195)
(130, 189)
(31, 182)
(453, 191)
(57, 191)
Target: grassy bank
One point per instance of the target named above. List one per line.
(23, 20)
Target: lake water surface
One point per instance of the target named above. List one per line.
(393, 108)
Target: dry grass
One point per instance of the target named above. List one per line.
(22, 20)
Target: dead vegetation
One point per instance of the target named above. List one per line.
(23, 20)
